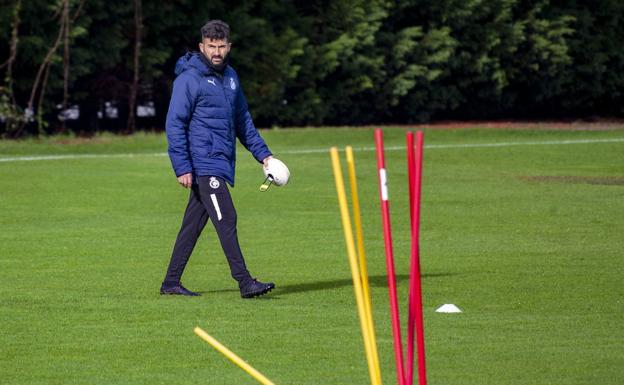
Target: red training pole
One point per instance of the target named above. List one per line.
(409, 137)
(385, 215)
(415, 314)
(411, 176)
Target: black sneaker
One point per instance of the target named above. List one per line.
(256, 288)
(178, 290)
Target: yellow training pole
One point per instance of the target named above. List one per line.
(357, 219)
(233, 357)
(355, 275)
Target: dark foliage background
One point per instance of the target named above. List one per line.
(324, 62)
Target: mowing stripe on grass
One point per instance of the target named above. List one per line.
(77, 156)
(484, 145)
(324, 150)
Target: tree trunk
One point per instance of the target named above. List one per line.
(13, 48)
(66, 54)
(15, 119)
(40, 121)
(66, 31)
(132, 99)
(46, 61)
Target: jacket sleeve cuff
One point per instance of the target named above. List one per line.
(182, 171)
(262, 155)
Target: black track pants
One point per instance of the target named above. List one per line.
(209, 198)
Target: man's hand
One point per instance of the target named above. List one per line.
(186, 180)
(266, 160)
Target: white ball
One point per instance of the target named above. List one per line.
(277, 171)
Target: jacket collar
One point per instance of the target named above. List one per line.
(199, 62)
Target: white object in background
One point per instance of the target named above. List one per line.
(448, 308)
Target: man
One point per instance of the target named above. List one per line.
(207, 112)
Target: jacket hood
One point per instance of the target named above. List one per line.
(191, 60)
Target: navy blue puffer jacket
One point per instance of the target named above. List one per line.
(207, 112)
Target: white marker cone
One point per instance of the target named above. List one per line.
(448, 308)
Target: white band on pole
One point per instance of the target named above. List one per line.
(383, 182)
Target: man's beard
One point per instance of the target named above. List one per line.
(217, 67)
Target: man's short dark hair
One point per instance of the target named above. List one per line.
(216, 30)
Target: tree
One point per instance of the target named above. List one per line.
(315, 62)
(68, 33)
(138, 31)
(9, 109)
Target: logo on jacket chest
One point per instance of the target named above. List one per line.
(232, 83)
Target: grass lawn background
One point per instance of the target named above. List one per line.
(527, 239)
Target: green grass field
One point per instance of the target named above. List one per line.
(522, 229)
